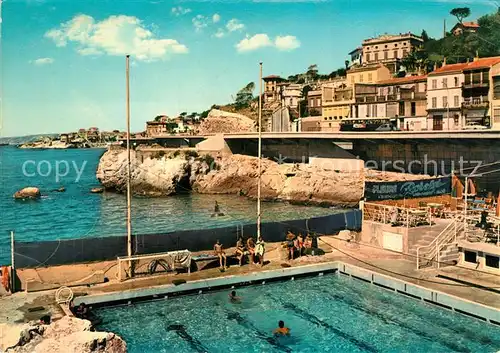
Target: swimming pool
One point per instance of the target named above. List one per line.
(325, 314)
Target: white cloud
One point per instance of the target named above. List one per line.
(262, 40)
(286, 42)
(200, 22)
(220, 33)
(234, 25)
(253, 43)
(216, 18)
(179, 11)
(43, 61)
(116, 35)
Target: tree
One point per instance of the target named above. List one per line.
(312, 72)
(158, 117)
(460, 13)
(425, 36)
(244, 96)
(183, 114)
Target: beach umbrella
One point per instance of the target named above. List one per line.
(471, 188)
(498, 206)
(457, 188)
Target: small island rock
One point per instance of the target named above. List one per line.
(28, 193)
(97, 190)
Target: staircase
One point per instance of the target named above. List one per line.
(443, 249)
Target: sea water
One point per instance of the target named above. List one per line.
(78, 213)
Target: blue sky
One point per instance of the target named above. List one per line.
(63, 62)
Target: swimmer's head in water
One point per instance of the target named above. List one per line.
(281, 324)
(233, 293)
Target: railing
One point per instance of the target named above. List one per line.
(431, 251)
(476, 101)
(404, 217)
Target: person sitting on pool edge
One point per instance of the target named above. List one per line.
(251, 249)
(282, 330)
(219, 251)
(240, 250)
(234, 298)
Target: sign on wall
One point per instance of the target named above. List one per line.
(407, 189)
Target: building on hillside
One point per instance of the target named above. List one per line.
(444, 98)
(389, 49)
(271, 88)
(291, 94)
(401, 101)
(336, 99)
(314, 102)
(369, 73)
(356, 57)
(479, 103)
(466, 27)
(311, 123)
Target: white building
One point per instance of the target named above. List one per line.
(444, 98)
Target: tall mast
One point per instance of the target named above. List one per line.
(260, 153)
(129, 194)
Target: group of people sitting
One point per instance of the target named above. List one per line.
(255, 251)
(297, 245)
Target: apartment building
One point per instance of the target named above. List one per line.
(314, 104)
(444, 98)
(389, 49)
(401, 100)
(480, 92)
(272, 88)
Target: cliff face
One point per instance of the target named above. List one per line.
(234, 174)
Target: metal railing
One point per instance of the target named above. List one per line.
(403, 216)
(431, 251)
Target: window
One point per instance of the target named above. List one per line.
(445, 102)
(434, 84)
(496, 87)
(445, 82)
(370, 77)
(396, 44)
(470, 256)
(376, 56)
(329, 124)
(456, 81)
(376, 47)
(413, 109)
(386, 55)
(368, 57)
(434, 102)
(386, 46)
(395, 54)
(456, 101)
(491, 261)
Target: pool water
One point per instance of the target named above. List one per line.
(325, 314)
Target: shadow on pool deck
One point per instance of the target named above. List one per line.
(378, 260)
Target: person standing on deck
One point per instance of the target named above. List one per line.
(219, 251)
(260, 250)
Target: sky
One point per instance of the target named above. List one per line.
(63, 62)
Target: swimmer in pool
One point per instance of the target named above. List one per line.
(282, 330)
(234, 298)
(217, 211)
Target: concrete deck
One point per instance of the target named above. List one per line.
(17, 307)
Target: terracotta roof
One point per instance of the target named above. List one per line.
(470, 25)
(403, 80)
(272, 76)
(449, 68)
(482, 63)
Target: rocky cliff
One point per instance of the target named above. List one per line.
(68, 334)
(167, 174)
(219, 121)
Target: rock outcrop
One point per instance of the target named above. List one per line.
(66, 335)
(219, 122)
(238, 175)
(28, 193)
(152, 176)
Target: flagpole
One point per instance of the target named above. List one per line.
(260, 154)
(465, 206)
(129, 194)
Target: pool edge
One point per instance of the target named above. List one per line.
(460, 305)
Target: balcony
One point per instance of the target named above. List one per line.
(476, 102)
(476, 82)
